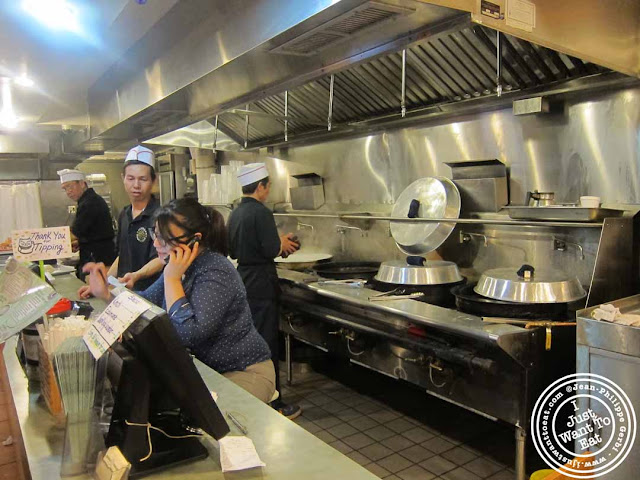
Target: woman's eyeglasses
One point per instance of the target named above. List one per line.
(185, 238)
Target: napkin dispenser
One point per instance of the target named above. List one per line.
(309, 194)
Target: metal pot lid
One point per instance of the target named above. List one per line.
(529, 285)
(429, 197)
(433, 272)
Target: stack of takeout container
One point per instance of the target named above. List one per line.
(52, 334)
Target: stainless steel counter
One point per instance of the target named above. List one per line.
(612, 351)
(418, 312)
(289, 451)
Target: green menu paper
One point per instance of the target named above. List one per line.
(24, 298)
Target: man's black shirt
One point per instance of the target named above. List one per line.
(254, 241)
(135, 246)
(93, 228)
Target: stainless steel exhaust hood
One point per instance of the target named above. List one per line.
(448, 74)
(206, 56)
(603, 32)
(235, 60)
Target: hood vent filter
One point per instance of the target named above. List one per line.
(353, 22)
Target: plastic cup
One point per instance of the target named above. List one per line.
(589, 202)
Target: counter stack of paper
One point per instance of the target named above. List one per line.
(76, 373)
(52, 334)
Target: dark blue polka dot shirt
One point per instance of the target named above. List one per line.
(214, 319)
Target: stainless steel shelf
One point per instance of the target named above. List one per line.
(467, 221)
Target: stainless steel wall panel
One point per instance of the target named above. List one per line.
(591, 147)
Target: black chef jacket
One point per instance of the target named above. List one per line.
(94, 229)
(135, 246)
(254, 242)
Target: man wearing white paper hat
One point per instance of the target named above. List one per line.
(255, 242)
(92, 228)
(137, 264)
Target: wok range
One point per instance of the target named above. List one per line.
(523, 293)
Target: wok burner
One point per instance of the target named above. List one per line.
(468, 301)
(439, 295)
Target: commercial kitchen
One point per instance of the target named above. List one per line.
(463, 178)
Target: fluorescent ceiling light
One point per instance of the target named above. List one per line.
(23, 81)
(55, 14)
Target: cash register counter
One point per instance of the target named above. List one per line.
(289, 451)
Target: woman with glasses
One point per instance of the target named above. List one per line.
(204, 295)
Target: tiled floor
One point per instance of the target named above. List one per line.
(397, 431)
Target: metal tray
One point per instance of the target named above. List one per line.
(562, 213)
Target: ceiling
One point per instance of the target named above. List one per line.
(62, 64)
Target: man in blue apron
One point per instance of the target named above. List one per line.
(254, 242)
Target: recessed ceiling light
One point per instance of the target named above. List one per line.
(23, 81)
(55, 14)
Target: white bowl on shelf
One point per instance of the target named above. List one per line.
(589, 202)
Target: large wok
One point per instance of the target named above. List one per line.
(302, 260)
(346, 270)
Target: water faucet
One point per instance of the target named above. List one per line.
(342, 229)
(561, 246)
(306, 225)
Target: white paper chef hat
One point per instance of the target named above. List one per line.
(68, 175)
(141, 154)
(251, 173)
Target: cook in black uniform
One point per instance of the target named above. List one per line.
(92, 229)
(254, 241)
(137, 264)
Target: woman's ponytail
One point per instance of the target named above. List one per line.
(217, 232)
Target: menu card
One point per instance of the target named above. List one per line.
(113, 321)
(24, 298)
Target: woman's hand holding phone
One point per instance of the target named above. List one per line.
(180, 258)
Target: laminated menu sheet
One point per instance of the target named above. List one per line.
(24, 298)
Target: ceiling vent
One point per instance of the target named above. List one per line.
(345, 26)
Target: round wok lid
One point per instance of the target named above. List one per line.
(433, 272)
(529, 285)
(429, 197)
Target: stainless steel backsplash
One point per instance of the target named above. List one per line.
(585, 147)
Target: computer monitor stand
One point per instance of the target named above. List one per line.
(137, 402)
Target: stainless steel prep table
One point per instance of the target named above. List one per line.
(289, 451)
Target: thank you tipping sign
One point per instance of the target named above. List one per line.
(41, 243)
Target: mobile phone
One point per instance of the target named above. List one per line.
(193, 241)
(114, 281)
